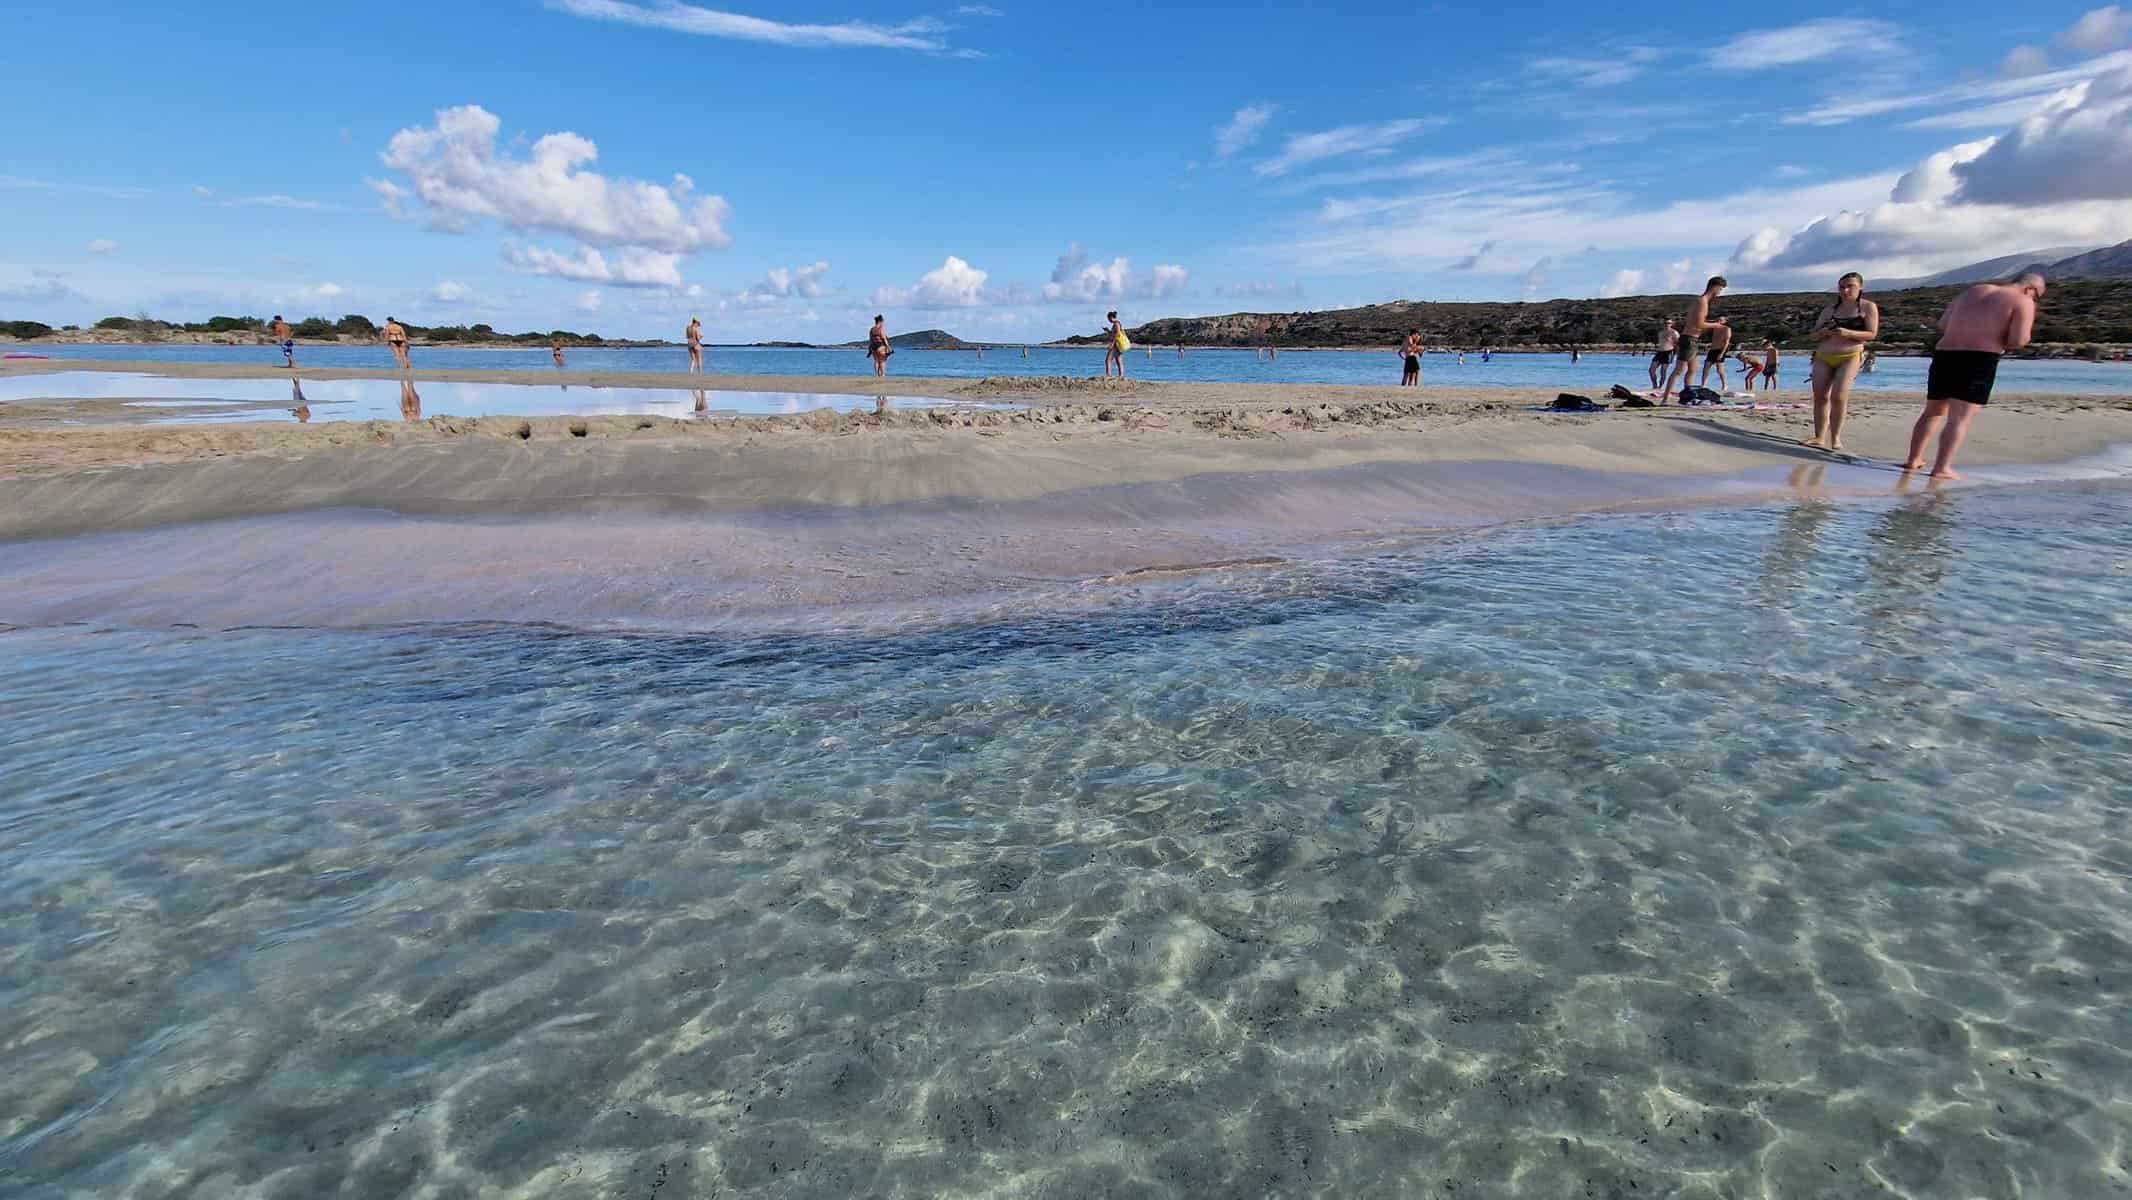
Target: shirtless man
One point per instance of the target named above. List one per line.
(1668, 338)
(1410, 354)
(1769, 365)
(1720, 347)
(1697, 323)
(396, 337)
(1983, 323)
(555, 347)
(287, 340)
(695, 346)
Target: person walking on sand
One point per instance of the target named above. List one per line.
(1696, 323)
(1668, 337)
(555, 347)
(395, 336)
(1410, 354)
(1114, 351)
(1981, 325)
(1714, 359)
(877, 347)
(695, 345)
(287, 340)
(1839, 348)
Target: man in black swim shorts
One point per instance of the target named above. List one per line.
(1981, 325)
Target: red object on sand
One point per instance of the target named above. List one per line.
(25, 356)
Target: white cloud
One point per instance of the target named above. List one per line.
(2099, 29)
(202, 193)
(450, 291)
(93, 189)
(2061, 177)
(1375, 138)
(1848, 107)
(978, 10)
(589, 300)
(921, 34)
(2024, 61)
(1074, 278)
(1242, 129)
(1809, 41)
(1610, 66)
(456, 170)
(1168, 279)
(323, 291)
(1536, 276)
(391, 196)
(276, 200)
(102, 246)
(1255, 289)
(953, 284)
(632, 267)
(1622, 283)
(786, 282)
(2080, 149)
(1679, 274)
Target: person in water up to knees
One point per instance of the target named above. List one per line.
(1982, 324)
(1114, 352)
(695, 346)
(1697, 323)
(1668, 338)
(1840, 338)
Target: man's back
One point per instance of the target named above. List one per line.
(1987, 318)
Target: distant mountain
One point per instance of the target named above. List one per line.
(2110, 262)
(924, 339)
(2004, 267)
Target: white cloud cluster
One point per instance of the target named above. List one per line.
(787, 282)
(2062, 176)
(457, 171)
(631, 267)
(921, 34)
(1622, 283)
(953, 284)
(1610, 66)
(2098, 30)
(1242, 129)
(450, 291)
(1377, 138)
(102, 246)
(1076, 280)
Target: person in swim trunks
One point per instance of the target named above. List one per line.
(1839, 349)
(1695, 324)
(1410, 354)
(1977, 329)
(1668, 338)
(1769, 365)
(395, 336)
(1714, 358)
(287, 340)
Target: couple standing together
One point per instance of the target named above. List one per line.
(1977, 329)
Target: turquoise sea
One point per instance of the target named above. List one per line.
(1767, 851)
(1551, 371)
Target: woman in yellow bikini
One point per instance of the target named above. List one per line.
(1840, 339)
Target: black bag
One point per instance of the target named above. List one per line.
(1567, 402)
(1638, 402)
(1618, 392)
(1694, 396)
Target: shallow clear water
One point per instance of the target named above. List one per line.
(1591, 376)
(161, 398)
(1778, 851)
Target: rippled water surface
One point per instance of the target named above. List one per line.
(1772, 852)
(1593, 373)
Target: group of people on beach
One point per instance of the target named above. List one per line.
(1977, 329)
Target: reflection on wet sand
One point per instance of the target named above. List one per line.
(410, 401)
(302, 409)
(703, 402)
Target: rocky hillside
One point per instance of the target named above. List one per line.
(2074, 313)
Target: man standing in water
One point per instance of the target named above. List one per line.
(695, 346)
(396, 337)
(1697, 323)
(1410, 354)
(287, 340)
(1982, 324)
(555, 347)
(877, 347)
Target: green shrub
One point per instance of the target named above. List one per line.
(24, 329)
(314, 327)
(356, 325)
(125, 323)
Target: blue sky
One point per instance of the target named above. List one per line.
(1012, 171)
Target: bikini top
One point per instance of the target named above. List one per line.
(1858, 322)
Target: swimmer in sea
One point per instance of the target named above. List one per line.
(1839, 348)
(1977, 329)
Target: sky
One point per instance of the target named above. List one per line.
(1012, 171)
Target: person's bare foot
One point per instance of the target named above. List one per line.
(1815, 443)
(1951, 474)
(1836, 446)
(1913, 466)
